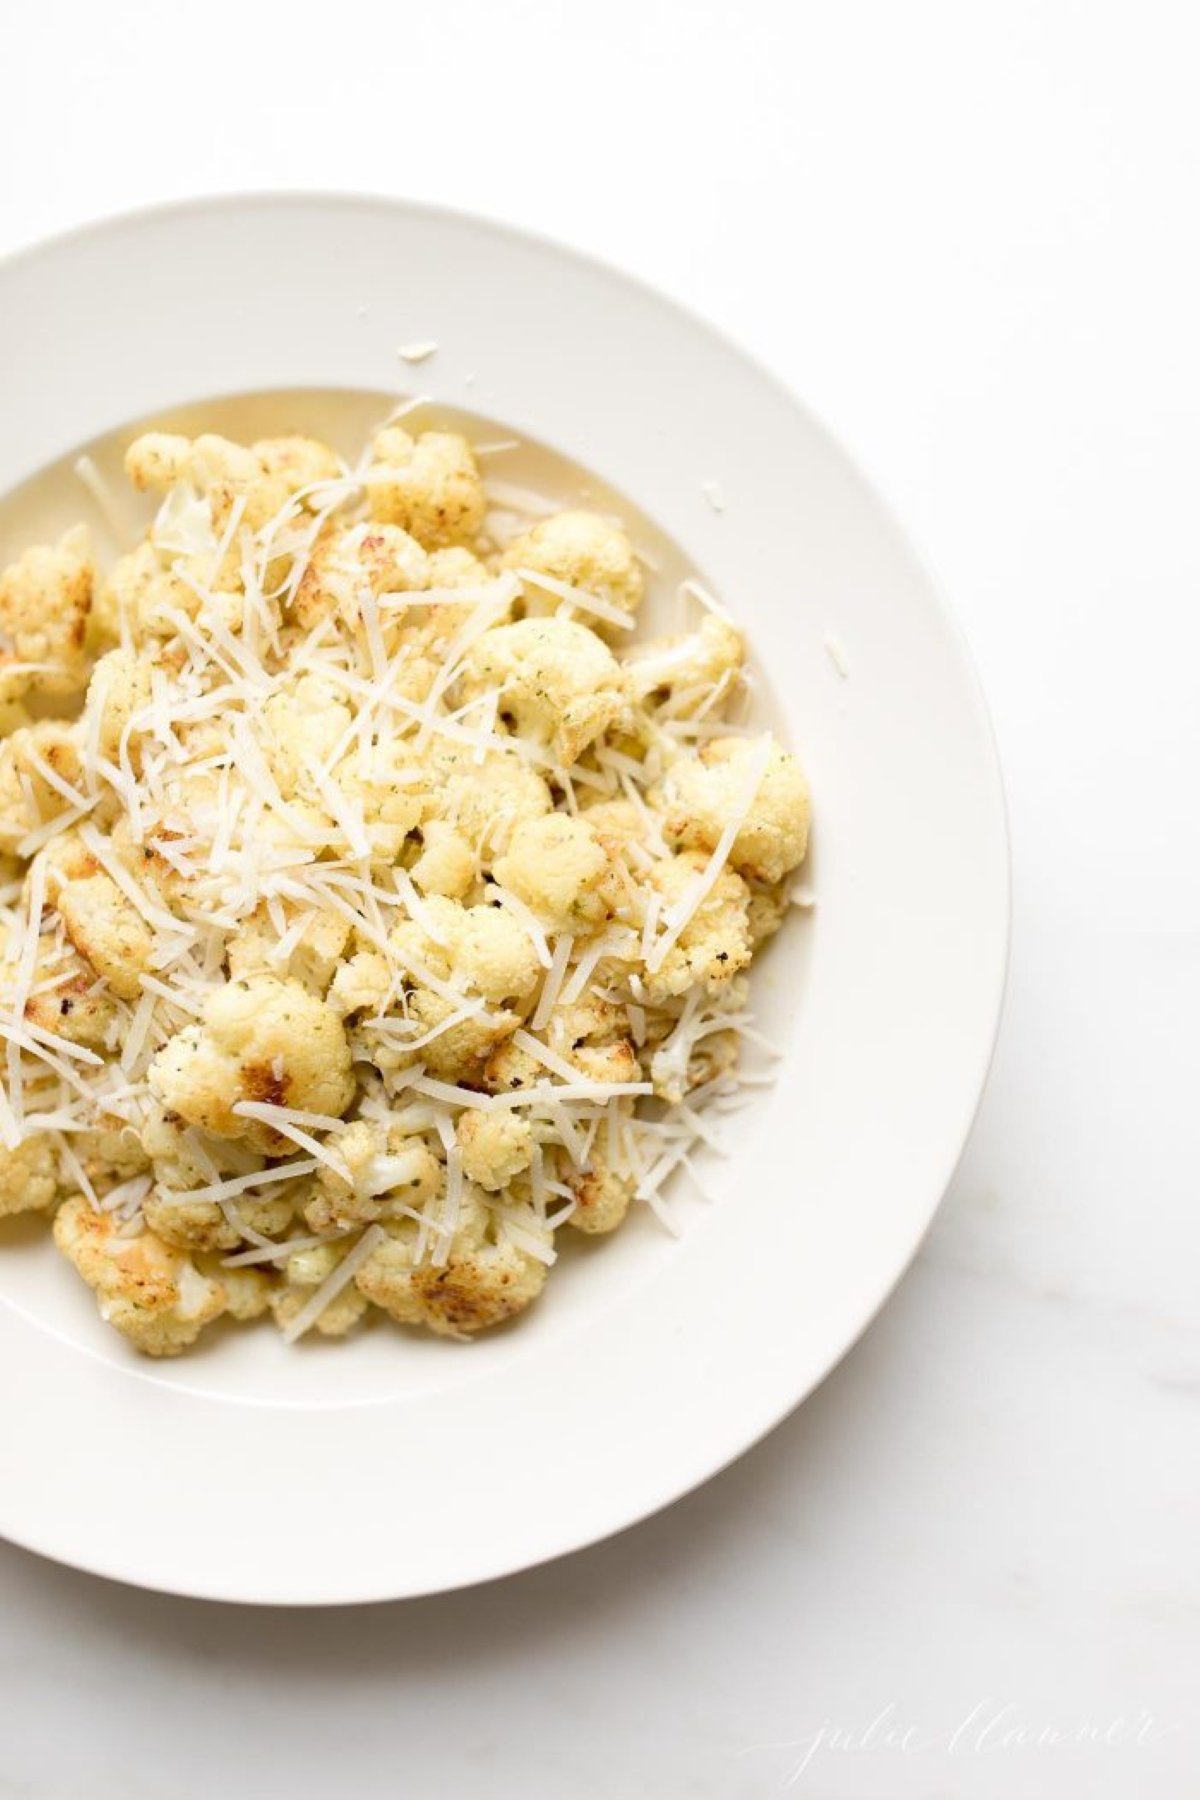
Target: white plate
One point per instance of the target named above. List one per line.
(394, 1465)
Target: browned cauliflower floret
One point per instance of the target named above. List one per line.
(263, 478)
(557, 682)
(484, 1280)
(446, 864)
(705, 659)
(556, 865)
(304, 1272)
(380, 558)
(172, 1150)
(509, 1067)
(51, 742)
(260, 1039)
(28, 1177)
(45, 599)
(586, 552)
(496, 1147)
(315, 959)
(602, 1197)
(593, 1034)
(107, 931)
(65, 998)
(151, 1292)
(380, 1174)
(714, 945)
(430, 485)
(700, 795)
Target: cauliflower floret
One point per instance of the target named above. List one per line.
(602, 1197)
(151, 1292)
(305, 1270)
(203, 1225)
(509, 1068)
(381, 558)
(314, 960)
(107, 931)
(592, 1034)
(263, 478)
(481, 947)
(361, 984)
(51, 742)
(111, 1152)
(492, 953)
(558, 683)
(391, 802)
(248, 1291)
(431, 486)
(455, 567)
(69, 1008)
(380, 1176)
(618, 824)
(715, 943)
(700, 795)
(769, 907)
(556, 866)
(679, 1063)
(45, 600)
(13, 717)
(460, 1052)
(157, 460)
(260, 1039)
(586, 552)
(172, 1150)
(485, 1279)
(496, 1147)
(446, 864)
(118, 690)
(485, 802)
(708, 658)
(179, 1163)
(306, 719)
(298, 463)
(28, 1177)
(143, 589)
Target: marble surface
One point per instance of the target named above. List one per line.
(967, 1568)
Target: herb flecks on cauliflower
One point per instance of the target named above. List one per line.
(260, 1040)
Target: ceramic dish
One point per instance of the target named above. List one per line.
(394, 1465)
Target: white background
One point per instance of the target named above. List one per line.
(967, 235)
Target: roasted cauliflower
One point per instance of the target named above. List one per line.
(376, 902)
